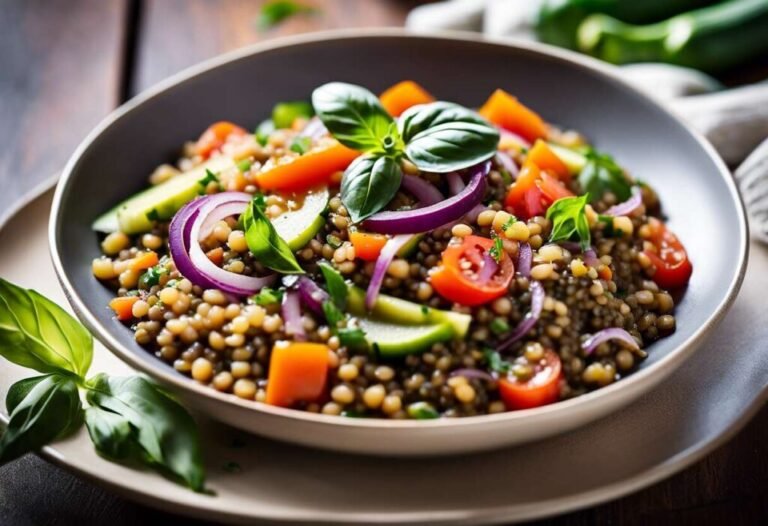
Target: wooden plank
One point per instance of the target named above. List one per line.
(175, 34)
(59, 75)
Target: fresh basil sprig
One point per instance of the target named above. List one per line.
(569, 218)
(264, 242)
(437, 137)
(601, 174)
(127, 418)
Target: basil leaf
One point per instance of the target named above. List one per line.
(569, 218)
(264, 242)
(284, 113)
(38, 334)
(444, 137)
(496, 362)
(337, 287)
(356, 118)
(275, 12)
(160, 426)
(352, 338)
(332, 314)
(112, 435)
(41, 409)
(268, 296)
(369, 184)
(601, 174)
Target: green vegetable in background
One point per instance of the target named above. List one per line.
(284, 113)
(437, 137)
(558, 21)
(127, 418)
(710, 39)
(277, 11)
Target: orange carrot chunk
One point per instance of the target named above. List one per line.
(297, 373)
(314, 168)
(543, 157)
(367, 246)
(504, 110)
(123, 307)
(404, 95)
(144, 260)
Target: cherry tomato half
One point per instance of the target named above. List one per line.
(534, 191)
(673, 268)
(541, 389)
(457, 277)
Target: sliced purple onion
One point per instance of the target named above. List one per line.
(505, 161)
(614, 333)
(628, 206)
(386, 256)
(188, 256)
(455, 184)
(291, 312)
(433, 216)
(590, 258)
(515, 137)
(422, 190)
(470, 373)
(474, 212)
(488, 269)
(537, 303)
(312, 295)
(524, 259)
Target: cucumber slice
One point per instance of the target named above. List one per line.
(403, 312)
(298, 227)
(571, 158)
(134, 215)
(393, 340)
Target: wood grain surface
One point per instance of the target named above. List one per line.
(65, 64)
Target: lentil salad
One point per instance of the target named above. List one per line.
(394, 257)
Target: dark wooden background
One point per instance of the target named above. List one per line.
(64, 64)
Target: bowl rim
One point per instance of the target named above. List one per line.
(608, 73)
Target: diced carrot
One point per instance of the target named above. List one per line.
(216, 255)
(314, 168)
(297, 373)
(504, 110)
(404, 95)
(525, 181)
(605, 272)
(543, 156)
(215, 136)
(144, 260)
(123, 306)
(367, 246)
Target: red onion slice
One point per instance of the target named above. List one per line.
(422, 190)
(476, 211)
(590, 258)
(455, 184)
(314, 129)
(312, 295)
(433, 216)
(537, 303)
(613, 333)
(188, 256)
(628, 206)
(524, 259)
(505, 161)
(291, 311)
(470, 373)
(488, 269)
(386, 256)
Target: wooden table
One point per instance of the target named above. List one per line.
(66, 64)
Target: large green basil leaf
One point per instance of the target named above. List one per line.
(356, 118)
(112, 435)
(41, 409)
(265, 243)
(369, 184)
(334, 282)
(444, 137)
(164, 430)
(601, 174)
(38, 334)
(569, 219)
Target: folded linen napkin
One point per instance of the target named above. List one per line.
(734, 120)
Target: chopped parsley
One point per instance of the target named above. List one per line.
(244, 165)
(497, 249)
(511, 221)
(496, 362)
(152, 276)
(301, 145)
(268, 296)
(210, 177)
(499, 326)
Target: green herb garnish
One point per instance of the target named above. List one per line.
(264, 242)
(497, 249)
(422, 411)
(601, 174)
(275, 12)
(263, 131)
(352, 337)
(128, 419)
(569, 219)
(210, 177)
(499, 326)
(152, 276)
(438, 137)
(301, 145)
(496, 362)
(244, 165)
(153, 215)
(268, 296)
(333, 315)
(284, 113)
(337, 287)
(511, 221)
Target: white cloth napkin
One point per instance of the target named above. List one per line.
(734, 120)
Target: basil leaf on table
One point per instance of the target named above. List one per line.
(264, 242)
(41, 409)
(356, 118)
(369, 184)
(601, 174)
(443, 137)
(112, 435)
(38, 334)
(163, 429)
(569, 218)
(337, 287)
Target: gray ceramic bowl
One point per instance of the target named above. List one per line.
(696, 189)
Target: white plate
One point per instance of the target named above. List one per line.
(695, 410)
